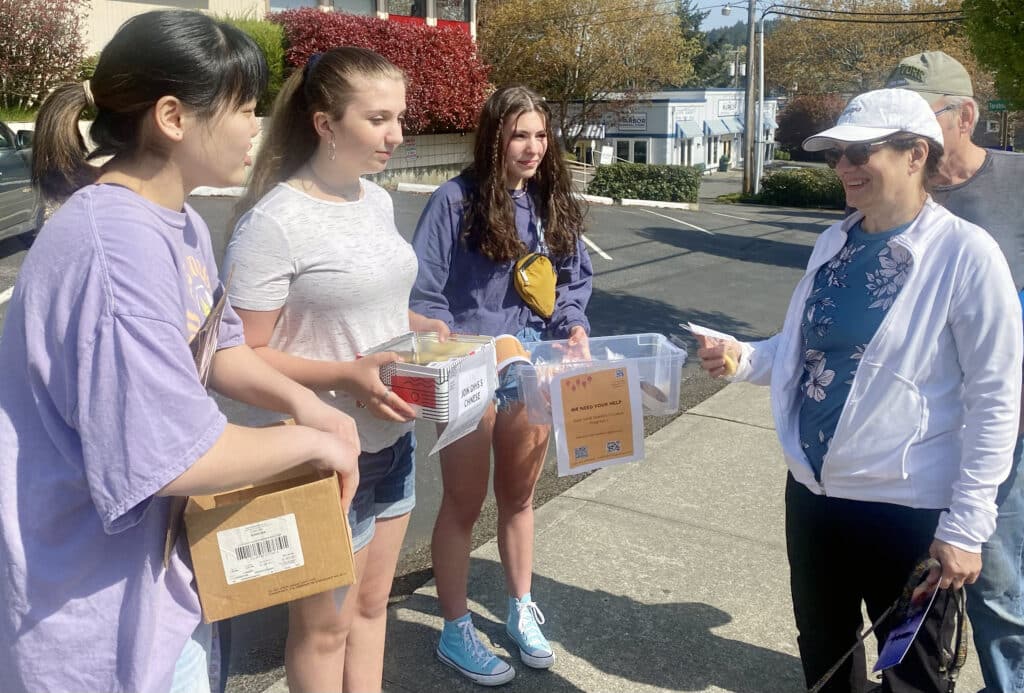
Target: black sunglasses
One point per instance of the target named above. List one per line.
(857, 153)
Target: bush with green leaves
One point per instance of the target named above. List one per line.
(804, 187)
(269, 36)
(646, 182)
(781, 155)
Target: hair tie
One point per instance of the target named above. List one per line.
(311, 64)
(88, 94)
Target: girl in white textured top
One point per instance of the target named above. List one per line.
(320, 275)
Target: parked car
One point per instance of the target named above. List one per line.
(21, 209)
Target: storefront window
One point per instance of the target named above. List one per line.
(622, 150)
(408, 8)
(640, 152)
(363, 7)
(454, 10)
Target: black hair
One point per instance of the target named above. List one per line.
(207, 64)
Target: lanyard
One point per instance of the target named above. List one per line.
(542, 246)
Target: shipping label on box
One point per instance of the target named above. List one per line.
(261, 548)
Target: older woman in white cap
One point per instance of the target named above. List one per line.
(895, 390)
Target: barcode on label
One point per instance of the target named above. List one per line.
(262, 548)
(614, 446)
(581, 453)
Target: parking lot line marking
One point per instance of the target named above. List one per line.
(680, 221)
(731, 216)
(5, 296)
(596, 249)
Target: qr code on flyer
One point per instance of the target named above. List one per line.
(581, 453)
(614, 446)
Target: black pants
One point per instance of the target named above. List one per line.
(842, 553)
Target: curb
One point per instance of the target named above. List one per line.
(206, 191)
(416, 187)
(692, 206)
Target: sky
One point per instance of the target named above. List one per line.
(715, 19)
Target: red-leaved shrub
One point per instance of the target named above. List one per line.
(447, 79)
(805, 116)
(41, 46)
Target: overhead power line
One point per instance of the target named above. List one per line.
(799, 12)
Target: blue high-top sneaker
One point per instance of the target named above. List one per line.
(523, 626)
(461, 649)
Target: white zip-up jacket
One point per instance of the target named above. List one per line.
(931, 417)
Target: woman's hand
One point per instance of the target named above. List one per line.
(341, 449)
(363, 382)
(577, 346)
(958, 568)
(719, 357)
(421, 323)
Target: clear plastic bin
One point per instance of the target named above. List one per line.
(659, 362)
(424, 378)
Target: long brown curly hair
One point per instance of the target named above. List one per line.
(490, 225)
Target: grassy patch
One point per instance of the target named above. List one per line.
(17, 115)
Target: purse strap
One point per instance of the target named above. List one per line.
(542, 246)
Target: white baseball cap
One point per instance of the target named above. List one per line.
(875, 115)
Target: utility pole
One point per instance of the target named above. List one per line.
(749, 123)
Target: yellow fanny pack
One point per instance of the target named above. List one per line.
(534, 280)
(534, 276)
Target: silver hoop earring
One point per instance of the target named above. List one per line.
(334, 149)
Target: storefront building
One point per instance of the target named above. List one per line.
(681, 127)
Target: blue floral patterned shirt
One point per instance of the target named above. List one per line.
(851, 295)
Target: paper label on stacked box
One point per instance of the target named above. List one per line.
(261, 548)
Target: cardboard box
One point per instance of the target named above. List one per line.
(268, 544)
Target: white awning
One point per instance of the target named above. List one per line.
(687, 130)
(734, 124)
(589, 131)
(770, 124)
(715, 127)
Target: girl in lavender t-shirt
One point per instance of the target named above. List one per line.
(103, 414)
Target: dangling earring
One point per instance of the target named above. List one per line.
(334, 148)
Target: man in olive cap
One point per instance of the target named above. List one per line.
(983, 187)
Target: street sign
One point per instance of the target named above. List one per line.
(996, 105)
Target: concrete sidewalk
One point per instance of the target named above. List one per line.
(665, 575)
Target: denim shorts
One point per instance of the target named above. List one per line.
(507, 392)
(387, 488)
(192, 670)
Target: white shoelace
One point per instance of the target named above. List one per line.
(530, 620)
(476, 649)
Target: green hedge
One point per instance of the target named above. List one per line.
(269, 36)
(805, 187)
(646, 182)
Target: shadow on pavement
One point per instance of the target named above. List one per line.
(671, 646)
(746, 248)
(614, 312)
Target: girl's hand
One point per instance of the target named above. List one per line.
(579, 344)
(421, 323)
(719, 357)
(341, 449)
(364, 383)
